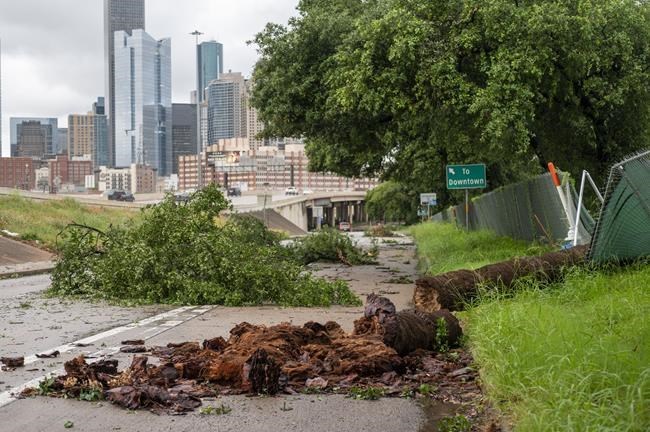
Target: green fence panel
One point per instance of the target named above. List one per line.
(623, 228)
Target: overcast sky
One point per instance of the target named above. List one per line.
(53, 50)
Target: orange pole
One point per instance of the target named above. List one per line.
(554, 176)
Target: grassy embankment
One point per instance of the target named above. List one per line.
(43, 220)
(573, 356)
(443, 248)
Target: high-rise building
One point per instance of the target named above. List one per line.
(101, 133)
(125, 16)
(210, 64)
(61, 146)
(88, 135)
(183, 132)
(226, 107)
(254, 125)
(143, 106)
(34, 137)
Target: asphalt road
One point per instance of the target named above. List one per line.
(33, 324)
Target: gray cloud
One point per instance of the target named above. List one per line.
(53, 50)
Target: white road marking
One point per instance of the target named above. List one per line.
(112, 332)
(8, 396)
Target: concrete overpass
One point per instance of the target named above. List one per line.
(311, 211)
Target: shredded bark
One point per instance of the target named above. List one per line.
(398, 351)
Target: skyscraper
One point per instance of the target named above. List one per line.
(61, 145)
(143, 105)
(226, 107)
(183, 132)
(119, 15)
(210, 64)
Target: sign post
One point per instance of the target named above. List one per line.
(430, 200)
(466, 177)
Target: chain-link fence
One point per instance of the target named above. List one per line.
(530, 210)
(623, 228)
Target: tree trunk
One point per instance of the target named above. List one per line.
(455, 289)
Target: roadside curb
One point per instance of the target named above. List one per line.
(27, 269)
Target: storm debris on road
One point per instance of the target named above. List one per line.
(49, 354)
(133, 342)
(13, 362)
(288, 359)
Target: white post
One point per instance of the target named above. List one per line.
(467, 209)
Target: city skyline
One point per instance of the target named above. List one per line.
(53, 60)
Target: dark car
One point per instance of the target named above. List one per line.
(120, 195)
(234, 191)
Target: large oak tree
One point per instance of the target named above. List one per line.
(402, 87)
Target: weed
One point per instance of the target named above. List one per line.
(427, 389)
(25, 305)
(212, 410)
(68, 424)
(91, 394)
(402, 280)
(312, 390)
(407, 393)
(457, 423)
(442, 335)
(45, 387)
(366, 393)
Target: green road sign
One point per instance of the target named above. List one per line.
(466, 176)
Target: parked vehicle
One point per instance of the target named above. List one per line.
(234, 191)
(182, 197)
(307, 192)
(120, 195)
(291, 190)
(345, 226)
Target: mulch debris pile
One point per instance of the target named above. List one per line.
(398, 351)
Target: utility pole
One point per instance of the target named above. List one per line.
(199, 148)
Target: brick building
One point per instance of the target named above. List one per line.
(232, 162)
(18, 173)
(65, 171)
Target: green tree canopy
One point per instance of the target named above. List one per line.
(402, 87)
(391, 202)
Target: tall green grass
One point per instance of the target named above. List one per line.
(572, 357)
(443, 247)
(43, 220)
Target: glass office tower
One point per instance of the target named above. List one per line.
(143, 107)
(119, 15)
(210, 64)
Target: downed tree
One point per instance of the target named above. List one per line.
(408, 330)
(395, 350)
(453, 290)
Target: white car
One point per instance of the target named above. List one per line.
(291, 190)
(307, 192)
